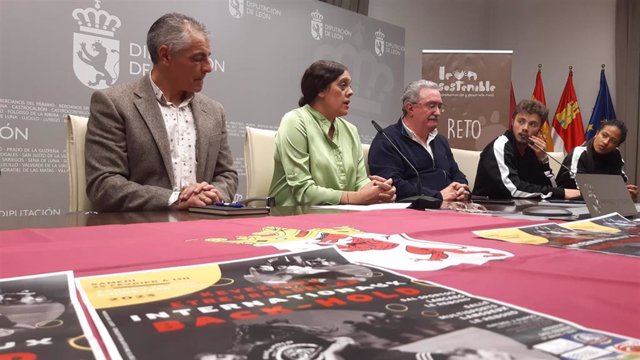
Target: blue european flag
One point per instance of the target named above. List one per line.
(602, 110)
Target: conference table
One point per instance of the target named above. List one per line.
(75, 219)
(594, 290)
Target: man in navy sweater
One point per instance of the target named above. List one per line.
(416, 135)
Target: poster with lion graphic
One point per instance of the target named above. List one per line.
(399, 252)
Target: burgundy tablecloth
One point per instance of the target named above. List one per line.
(600, 291)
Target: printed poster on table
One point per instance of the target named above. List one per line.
(40, 319)
(611, 234)
(398, 252)
(318, 305)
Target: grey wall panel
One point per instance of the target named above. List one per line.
(260, 50)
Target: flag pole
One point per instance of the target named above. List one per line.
(538, 94)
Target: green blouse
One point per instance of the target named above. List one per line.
(310, 168)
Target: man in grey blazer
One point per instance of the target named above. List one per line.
(156, 143)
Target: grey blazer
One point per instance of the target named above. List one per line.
(127, 156)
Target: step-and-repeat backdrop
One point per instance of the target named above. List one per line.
(54, 54)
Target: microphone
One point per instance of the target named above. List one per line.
(543, 210)
(379, 130)
(421, 201)
(531, 142)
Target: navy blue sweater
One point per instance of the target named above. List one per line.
(436, 173)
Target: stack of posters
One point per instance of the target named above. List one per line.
(318, 305)
(40, 318)
(611, 233)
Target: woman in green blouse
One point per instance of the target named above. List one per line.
(318, 157)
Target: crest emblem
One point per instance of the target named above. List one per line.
(316, 25)
(96, 53)
(379, 43)
(236, 8)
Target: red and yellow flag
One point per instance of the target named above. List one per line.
(568, 121)
(538, 94)
(512, 107)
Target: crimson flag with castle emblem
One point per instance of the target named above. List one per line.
(568, 121)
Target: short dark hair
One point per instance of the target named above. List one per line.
(620, 125)
(317, 78)
(173, 30)
(531, 107)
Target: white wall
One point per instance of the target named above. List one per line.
(555, 33)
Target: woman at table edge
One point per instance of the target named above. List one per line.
(318, 157)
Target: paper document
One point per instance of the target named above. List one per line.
(384, 206)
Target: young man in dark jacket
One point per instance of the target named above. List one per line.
(416, 135)
(514, 164)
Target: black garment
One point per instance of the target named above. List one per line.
(504, 173)
(284, 341)
(436, 172)
(295, 345)
(312, 347)
(585, 159)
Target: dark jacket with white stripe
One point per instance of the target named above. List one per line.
(436, 173)
(504, 173)
(584, 159)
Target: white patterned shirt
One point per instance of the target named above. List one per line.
(181, 129)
